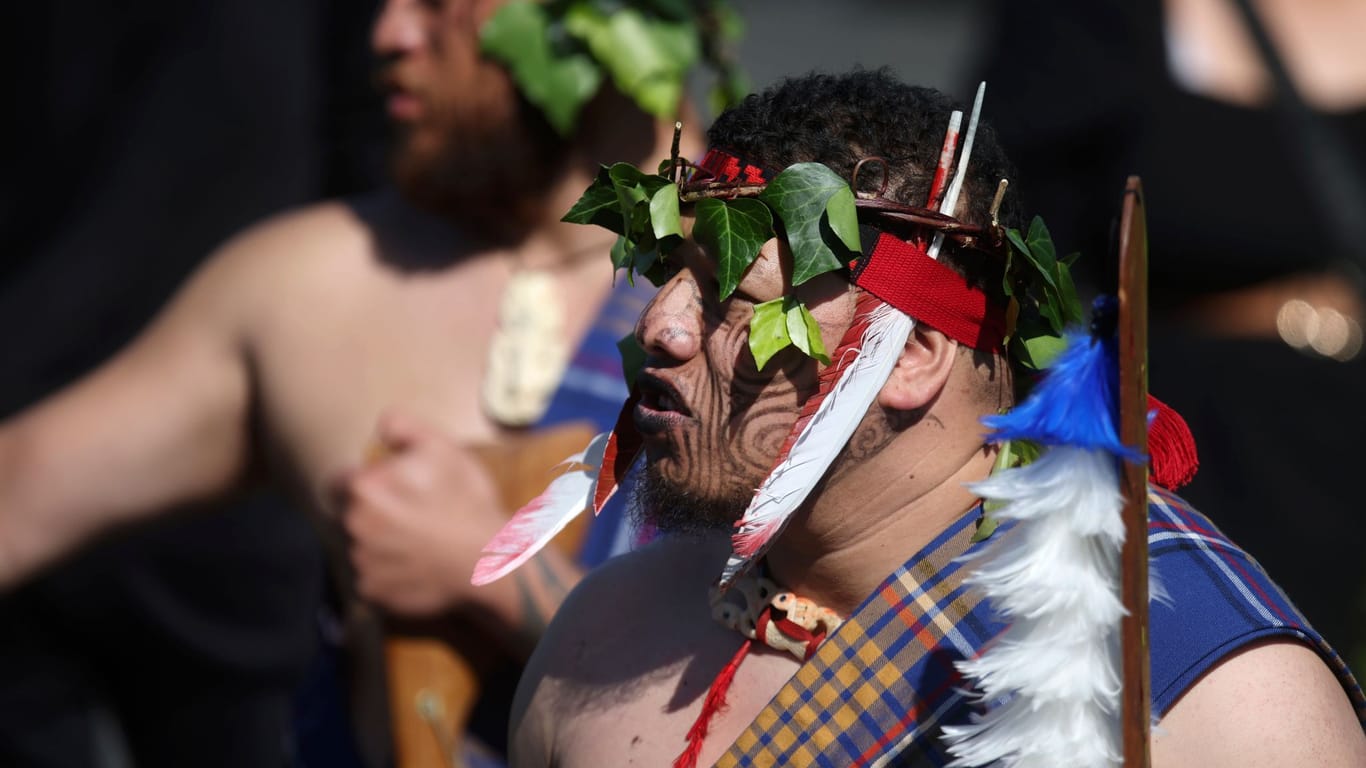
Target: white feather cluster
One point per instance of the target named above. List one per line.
(1053, 677)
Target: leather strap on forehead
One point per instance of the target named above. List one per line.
(902, 275)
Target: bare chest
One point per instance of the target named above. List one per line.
(419, 343)
(649, 726)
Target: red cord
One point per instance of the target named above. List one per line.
(716, 701)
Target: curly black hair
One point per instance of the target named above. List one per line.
(838, 120)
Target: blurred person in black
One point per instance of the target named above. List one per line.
(286, 349)
(1247, 123)
(141, 135)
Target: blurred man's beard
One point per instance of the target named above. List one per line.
(669, 507)
(481, 176)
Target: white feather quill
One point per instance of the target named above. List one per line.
(543, 517)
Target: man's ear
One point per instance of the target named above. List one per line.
(921, 371)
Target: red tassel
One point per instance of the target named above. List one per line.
(1171, 447)
(716, 701)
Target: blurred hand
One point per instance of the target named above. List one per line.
(418, 517)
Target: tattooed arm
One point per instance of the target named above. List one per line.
(418, 519)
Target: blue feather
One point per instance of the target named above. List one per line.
(1074, 404)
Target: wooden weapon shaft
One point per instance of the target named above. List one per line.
(1133, 416)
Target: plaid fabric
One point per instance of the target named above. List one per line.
(879, 690)
(1209, 577)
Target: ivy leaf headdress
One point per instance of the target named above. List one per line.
(560, 52)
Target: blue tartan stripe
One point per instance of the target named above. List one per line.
(923, 618)
(1237, 601)
(913, 624)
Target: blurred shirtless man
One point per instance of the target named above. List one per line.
(292, 343)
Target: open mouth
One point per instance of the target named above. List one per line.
(660, 406)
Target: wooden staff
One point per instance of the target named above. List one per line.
(1133, 417)
(433, 668)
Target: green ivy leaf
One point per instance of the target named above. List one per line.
(644, 262)
(634, 193)
(1041, 243)
(632, 358)
(1012, 453)
(627, 180)
(664, 219)
(768, 331)
(647, 58)
(843, 218)
(1037, 352)
(1041, 259)
(518, 36)
(729, 22)
(800, 195)
(803, 330)
(1067, 294)
(599, 205)
(622, 253)
(731, 231)
(988, 524)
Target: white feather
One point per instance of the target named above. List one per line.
(543, 517)
(788, 485)
(1054, 674)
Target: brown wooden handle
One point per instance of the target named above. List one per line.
(1133, 424)
(434, 667)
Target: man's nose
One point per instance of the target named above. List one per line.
(671, 325)
(398, 28)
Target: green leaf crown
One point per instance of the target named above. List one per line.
(559, 52)
(818, 213)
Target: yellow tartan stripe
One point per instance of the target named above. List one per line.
(852, 670)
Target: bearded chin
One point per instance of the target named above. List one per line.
(671, 507)
(484, 177)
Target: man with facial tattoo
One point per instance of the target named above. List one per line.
(837, 639)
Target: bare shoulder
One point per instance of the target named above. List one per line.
(314, 240)
(1273, 703)
(623, 631)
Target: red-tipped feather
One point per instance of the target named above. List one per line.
(622, 448)
(844, 356)
(543, 517)
(946, 152)
(865, 368)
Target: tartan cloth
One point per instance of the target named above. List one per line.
(881, 688)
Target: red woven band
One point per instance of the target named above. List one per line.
(722, 166)
(901, 274)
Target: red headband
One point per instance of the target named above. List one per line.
(904, 276)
